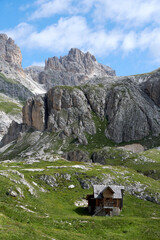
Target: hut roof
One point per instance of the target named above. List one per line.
(99, 189)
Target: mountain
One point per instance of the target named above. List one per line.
(33, 72)
(70, 138)
(15, 85)
(129, 106)
(72, 70)
(10, 65)
(20, 84)
(127, 112)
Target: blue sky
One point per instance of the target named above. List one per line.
(122, 34)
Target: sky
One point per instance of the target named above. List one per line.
(123, 34)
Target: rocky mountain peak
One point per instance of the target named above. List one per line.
(73, 69)
(79, 62)
(9, 51)
(78, 56)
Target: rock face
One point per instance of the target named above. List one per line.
(75, 68)
(63, 110)
(14, 83)
(78, 156)
(9, 51)
(151, 86)
(131, 114)
(10, 65)
(14, 89)
(15, 130)
(34, 113)
(6, 120)
(10, 57)
(34, 72)
(130, 104)
(78, 62)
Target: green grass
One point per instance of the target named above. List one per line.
(10, 107)
(96, 141)
(8, 80)
(138, 220)
(55, 214)
(99, 139)
(119, 157)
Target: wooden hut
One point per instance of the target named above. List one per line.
(106, 200)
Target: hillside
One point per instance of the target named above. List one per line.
(43, 195)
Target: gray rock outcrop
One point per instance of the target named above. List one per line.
(14, 82)
(34, 72)
(14, 89)
(75, 68)
(9, 51)
(129, 104)
(77, 155)
(151, 86)
(63, 110)
(130, 113)
(14, 132)
(10, 65)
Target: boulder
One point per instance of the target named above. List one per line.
(78, 155)
(14, 132)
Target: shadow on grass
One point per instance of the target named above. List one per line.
(83, 211)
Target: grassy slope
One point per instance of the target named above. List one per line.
(55, 215)
(9, 105)
(8, 80)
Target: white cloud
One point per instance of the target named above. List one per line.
(24, 7)
(146, 40)
(49, 8)
(129, 42)
(130, 13)
(75, 32)
(102, 43)
(67, 33)
(20, 33)
(150, 39)
(41, 64)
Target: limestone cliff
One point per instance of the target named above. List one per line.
(130, 113)
(34, 72)
(9, 51)
(15, 85)
(10, 65)
(74, 69)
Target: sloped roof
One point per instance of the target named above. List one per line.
(98, 190)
